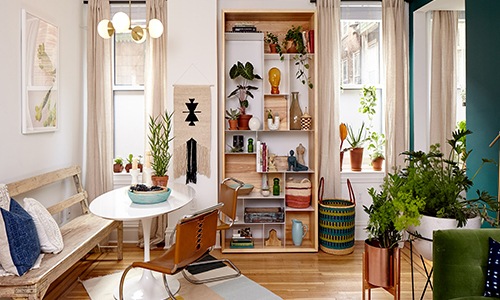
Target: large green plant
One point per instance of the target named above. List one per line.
(391, 212)
(442, 182)
(245, 72)
(159, 137)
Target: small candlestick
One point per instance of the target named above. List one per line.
(135, 176)
(135, 163)
(146, 176)
(147, 160)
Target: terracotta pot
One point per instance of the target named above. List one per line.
(160, 180)
(380, 263)
(233, 124)
(377, 163)
(291, 47)
(243, 122)
(356, 155)
(272, 48)
(128, 167)
(117, 168)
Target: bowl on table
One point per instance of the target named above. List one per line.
(158, 195)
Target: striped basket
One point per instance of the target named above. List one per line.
(336, 222)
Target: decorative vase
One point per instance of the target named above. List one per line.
(274, 75)
(379, 264)
(117, 168)
(254, 123)
(341, 159)
(243, 122)
(233, 124)
(265, 186)
(299, 231)
(377, 163)
(295, 112)
(274, 125)
(356, 155)
(305, 121)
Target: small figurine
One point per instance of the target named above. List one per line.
(300, 154)
(293, 164)
(272, 165)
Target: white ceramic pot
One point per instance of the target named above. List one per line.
(429, 224)
(254, 123)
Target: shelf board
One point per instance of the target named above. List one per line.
(240, 153)
(258, 195)
(310, 208)
(244, 36)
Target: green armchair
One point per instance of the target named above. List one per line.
(459, 260)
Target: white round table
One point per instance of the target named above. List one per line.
(116, 205)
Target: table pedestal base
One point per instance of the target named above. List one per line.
(147, 287)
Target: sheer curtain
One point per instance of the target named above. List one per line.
(443, 77)
(395, 48)
(155, 94)
(328, 85)
(99, 174)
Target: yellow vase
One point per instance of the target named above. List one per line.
(274, 80)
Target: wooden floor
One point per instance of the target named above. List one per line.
(290, 275)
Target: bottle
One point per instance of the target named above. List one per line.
(250, 145)
(295, 112)
(276, 187)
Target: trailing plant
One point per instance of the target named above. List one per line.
(271, 38)
(442, 182)
(160, 128)
(243, 90)
(368, 103)
(232, 114)
(392, 211)
(294, 36)
(356, 140)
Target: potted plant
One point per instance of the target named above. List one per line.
(294, 43)
(273, 120)
(244, 73)
(356, 141)
(442, 182)
(376, 147)
(272, 40)
(232, 116)
(390, 213)
(118, 165)
(130, 160)
(159, 138)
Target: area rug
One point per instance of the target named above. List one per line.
(241, 288)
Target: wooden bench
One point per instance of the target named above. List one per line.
(81, 235)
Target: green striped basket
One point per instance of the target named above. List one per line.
(336, 222)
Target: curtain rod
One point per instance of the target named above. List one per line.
(121, 1)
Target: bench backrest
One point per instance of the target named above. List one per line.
(35, 182)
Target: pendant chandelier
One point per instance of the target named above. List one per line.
(121, 23)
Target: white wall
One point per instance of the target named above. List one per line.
(21, 155)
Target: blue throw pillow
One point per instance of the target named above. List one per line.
(492, 286)
(19, 244)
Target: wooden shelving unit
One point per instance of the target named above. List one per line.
(242, 165)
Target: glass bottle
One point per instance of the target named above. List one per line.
(250, 145)
(276, 187)
(295, 112)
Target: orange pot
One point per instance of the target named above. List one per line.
(356, 159)
(377, 163)
(379, 264)
(160, 180)
(243, 122)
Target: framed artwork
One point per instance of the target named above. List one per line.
(40, 68)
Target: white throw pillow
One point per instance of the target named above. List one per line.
(49, 234)
(4, 197)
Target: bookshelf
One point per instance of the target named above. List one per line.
(250, 46)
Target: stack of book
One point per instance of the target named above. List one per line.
(262, 157)
(244, 28)
(241, 241)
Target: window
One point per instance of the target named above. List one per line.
(128, 87)
(361, 54)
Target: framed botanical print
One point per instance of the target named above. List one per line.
(40, 72)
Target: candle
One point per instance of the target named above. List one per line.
(147, 160)
(134, 163)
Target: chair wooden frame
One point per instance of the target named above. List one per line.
(229, 196)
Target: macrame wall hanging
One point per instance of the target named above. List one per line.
(192, 106)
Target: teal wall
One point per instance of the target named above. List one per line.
(483, 98)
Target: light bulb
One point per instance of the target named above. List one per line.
(155, 28)
(138, 34)
(121, 22)
(105, 29)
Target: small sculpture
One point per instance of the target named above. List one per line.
(272, 164)
(300, 153)
(293, 164)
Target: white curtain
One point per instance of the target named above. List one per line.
(395, 48)
(328, 85)
(99, 175)
(443, 77)
(155, 94)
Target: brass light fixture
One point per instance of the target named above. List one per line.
(121, 23)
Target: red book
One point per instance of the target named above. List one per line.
(311, 41)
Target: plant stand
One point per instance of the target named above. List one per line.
(395, 288)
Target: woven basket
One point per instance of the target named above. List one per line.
(336, 222)
(298, 194)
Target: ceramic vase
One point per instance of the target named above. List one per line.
(299, 231)
(295, 112)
